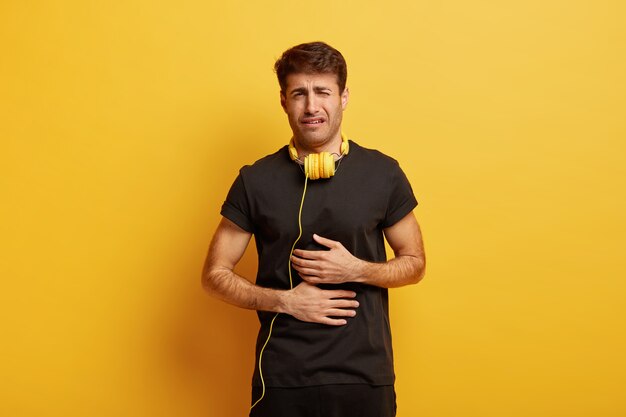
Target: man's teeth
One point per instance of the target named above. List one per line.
(314, 122)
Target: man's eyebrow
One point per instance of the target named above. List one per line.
(298, 90)
(303, 90)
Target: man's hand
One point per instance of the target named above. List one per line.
(308, 303)
(334, 266)
(338, 265)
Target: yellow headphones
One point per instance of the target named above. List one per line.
(319, 165)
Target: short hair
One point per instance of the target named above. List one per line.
(311, 58)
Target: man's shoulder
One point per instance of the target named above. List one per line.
(276, 159)
(371, 155)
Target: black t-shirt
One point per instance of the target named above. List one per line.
(368, 193)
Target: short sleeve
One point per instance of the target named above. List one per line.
(236, 208)
(401, 199)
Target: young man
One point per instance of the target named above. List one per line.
(324, 346)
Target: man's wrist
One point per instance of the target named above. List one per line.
(282, 301)
(362, 271)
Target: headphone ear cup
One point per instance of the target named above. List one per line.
(309, 166)
(319, 165)
(316, 167)
(327, 168)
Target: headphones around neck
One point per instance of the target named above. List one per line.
(319, 165)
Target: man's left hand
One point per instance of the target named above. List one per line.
(333, 266)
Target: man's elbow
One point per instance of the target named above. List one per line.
(419, 269)
(421, 273)
(205, 280)
(209, 279)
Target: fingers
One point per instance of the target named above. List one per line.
(301, 262)
(316, 272)
(301, 254)
(325, 242)
(332, 266)
(341, 304)
(312, 304)
(333, 322)
(333, 317)
(316, 278)
(308, 270)
(346, 303)
(334, 294)
(309, 275)
(317, 254)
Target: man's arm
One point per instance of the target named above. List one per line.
(305, 302)
(337, 265)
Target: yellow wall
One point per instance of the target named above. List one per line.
(123, 124)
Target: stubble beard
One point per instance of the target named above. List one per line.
(312, 141)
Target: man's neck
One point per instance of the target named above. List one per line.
(332, 146)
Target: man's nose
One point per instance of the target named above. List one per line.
(311, 104)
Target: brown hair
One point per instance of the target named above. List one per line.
(311, 58)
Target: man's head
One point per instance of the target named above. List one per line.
(311, 58)
(313, 93)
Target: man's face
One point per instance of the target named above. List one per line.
(314, 106)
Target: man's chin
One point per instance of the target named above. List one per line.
(312, 138)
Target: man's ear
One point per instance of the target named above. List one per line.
(283, 101)
(344, 98)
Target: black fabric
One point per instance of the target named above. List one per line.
(369, 192)
(358, 400)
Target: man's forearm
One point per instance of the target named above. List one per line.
(304, 302)
(224, 284)
(400, 271)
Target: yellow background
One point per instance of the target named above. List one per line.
(123, 124)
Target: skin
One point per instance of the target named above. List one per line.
(314, 98)
(309, 98)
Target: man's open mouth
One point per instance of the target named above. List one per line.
(312, 121)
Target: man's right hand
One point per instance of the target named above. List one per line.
(309, 303)
(305, 302)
